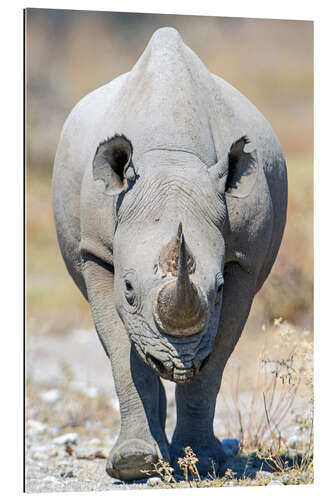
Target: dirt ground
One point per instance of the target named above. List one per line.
(72, 417)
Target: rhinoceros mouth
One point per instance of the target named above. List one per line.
(171, 372)
(157, 365)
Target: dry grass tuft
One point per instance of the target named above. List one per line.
(284, 380)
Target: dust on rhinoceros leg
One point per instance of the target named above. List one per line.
(169, 197)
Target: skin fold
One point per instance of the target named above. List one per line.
(169, 197)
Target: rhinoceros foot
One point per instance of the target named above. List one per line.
(209, 452)
(131, 459)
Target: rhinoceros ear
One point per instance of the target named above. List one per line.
(112, 164)
(242, 169)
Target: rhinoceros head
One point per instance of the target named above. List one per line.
(169, 251)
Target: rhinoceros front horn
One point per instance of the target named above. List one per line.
(180, 307)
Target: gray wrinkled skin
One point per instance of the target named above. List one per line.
(168, 300)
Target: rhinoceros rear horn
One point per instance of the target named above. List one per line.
(112, 164)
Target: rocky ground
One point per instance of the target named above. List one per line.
(72, 421)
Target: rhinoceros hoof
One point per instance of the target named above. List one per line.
(132, 459)
(211, 458)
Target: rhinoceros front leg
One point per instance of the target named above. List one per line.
(196, 400)
(140, 392)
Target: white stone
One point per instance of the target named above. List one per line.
(294, 442)
(51, 396)
(275, 483)
(154, 481)
(51, 479)
(262, 474)
(67, 473)
(39, 456)
(35, 426)
(95, 442)
(115, 480)
(70, 437)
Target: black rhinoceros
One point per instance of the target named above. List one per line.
(169, 197)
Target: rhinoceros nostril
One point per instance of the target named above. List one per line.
(156, 364)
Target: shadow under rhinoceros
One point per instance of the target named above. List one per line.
(247, 466)
(243, 466)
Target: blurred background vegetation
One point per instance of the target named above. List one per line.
(71, 53)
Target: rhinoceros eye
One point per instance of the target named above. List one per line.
(128, 286)
(129, 293)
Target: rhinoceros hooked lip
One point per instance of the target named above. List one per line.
(170, 372)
